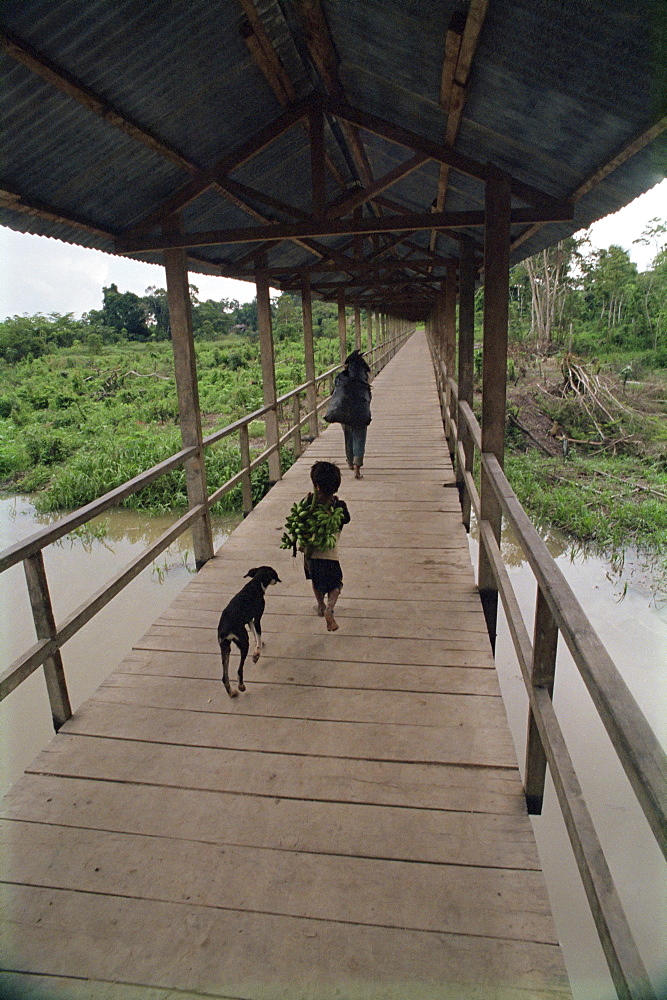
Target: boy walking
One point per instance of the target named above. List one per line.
(321, 566)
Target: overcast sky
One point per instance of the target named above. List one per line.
(41, 275)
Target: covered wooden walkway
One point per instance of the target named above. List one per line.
(353, 826)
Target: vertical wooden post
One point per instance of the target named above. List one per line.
(369, 334)
(449, 325)
(246, 481)
(309, 353)
(466, 363)
(182, 342)
(494, 368)
(342, 325)
(357, 327)
(268, 366)
(296, 418)
(45, 627)
(543, 671)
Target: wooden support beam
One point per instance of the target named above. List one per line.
(325, 58)
(449, 330)
(268, 367)
(342, 325)
(459, 52)
(335, 227)
(206, 179)
(260, 47)
(242, 195)
(185, 365)
(466, 365)
(542, 675)
(439, 152)
(360, 197)
(357, 327)
(309, 353)
(494, 370)
(45, 628)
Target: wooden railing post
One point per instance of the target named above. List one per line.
(268, 367)
(45, 627)
(449, 331)
(182, 341)
(543, 670)
(342, 326)
(466, 367)
(246, 481)
(309, 354)
(494, 370)
(296, 417)
(357, 327)
(369, 320)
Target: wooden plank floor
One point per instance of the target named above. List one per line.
(351, 827)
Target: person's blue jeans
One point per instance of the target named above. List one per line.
(355, 443)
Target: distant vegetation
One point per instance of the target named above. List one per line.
(592, 302)
(86, 404)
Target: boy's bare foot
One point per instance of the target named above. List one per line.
(320, 610)
(332, 624)
(357, 472)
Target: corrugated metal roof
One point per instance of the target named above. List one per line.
(556, 89)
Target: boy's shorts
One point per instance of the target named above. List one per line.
(325, 574)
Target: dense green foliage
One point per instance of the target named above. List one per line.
(594, 302)
(83, 412)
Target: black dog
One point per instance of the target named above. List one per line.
(246, 608)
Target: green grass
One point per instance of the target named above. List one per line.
(74, 426)
(607, 501)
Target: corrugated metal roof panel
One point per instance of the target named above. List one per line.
(555, 90)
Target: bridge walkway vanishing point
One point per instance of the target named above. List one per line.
(352, 826)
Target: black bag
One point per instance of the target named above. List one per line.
(350, 401)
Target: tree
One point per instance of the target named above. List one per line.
(125, 311)
(22, 336)
(550, 274)
(653, 282)
(157, 312)
(610, 288)
(246, 316)
(213, 319)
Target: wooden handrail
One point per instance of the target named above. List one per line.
(617, 941)
(633, 740)
(637, 746)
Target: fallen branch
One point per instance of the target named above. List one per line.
(629, 482)
(517, 423)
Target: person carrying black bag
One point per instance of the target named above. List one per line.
(350, 405)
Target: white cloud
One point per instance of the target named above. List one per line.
(628, 223)
(42, 275)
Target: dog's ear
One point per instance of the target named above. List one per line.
(251, 572)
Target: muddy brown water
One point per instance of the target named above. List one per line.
(631, 621)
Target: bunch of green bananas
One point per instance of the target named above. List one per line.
(310, 526)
